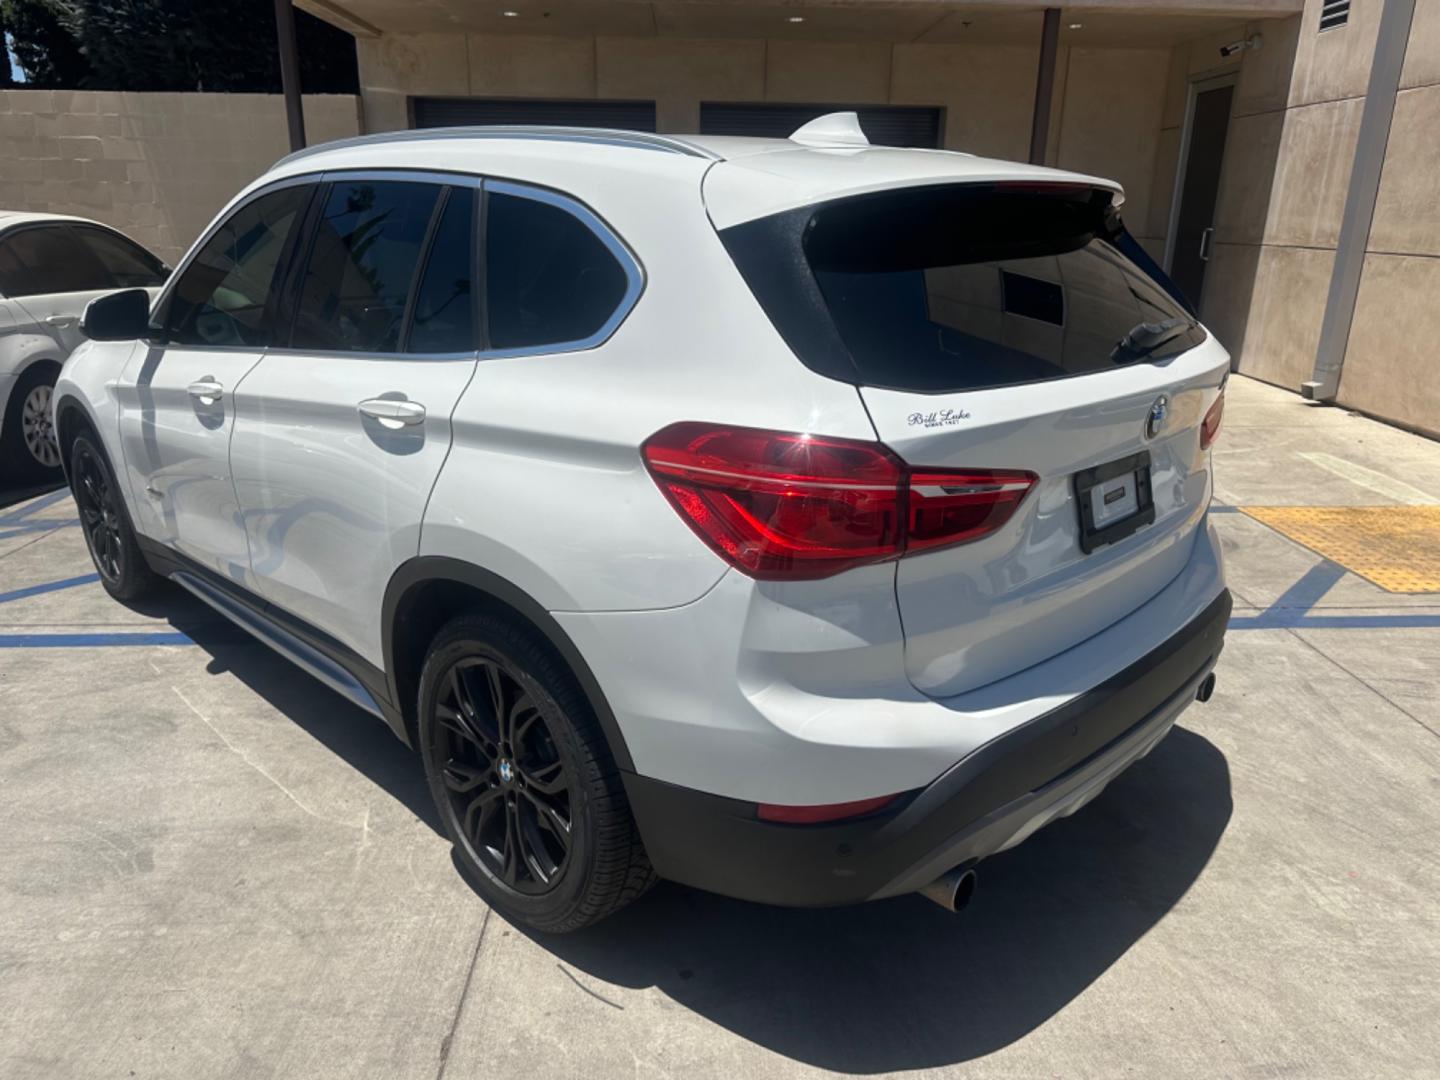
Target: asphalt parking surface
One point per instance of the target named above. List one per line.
(212, 866)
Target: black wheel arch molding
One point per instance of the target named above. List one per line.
(68, 408)
(408, 607)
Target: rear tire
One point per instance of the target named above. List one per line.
(525, 783)
(27, 437)
(106, 523)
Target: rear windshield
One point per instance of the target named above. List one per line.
(960, 287)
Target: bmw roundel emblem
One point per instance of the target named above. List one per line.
(1156, 420)
(507, 771)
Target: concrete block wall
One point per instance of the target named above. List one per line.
(156, 166)
(1106, 117)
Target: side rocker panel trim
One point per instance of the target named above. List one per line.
(259, 612)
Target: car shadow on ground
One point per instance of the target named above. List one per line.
(888, 986)
(363, 741)
(902, 984)
(12, 494)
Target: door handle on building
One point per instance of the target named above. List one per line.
(207, 391)
(1205, 243)
(393, 413)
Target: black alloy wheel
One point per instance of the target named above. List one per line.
(526, 784)
(116, 553)
(508, 790)
(100, 518)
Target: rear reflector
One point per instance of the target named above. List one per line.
(1210, 426)
(815, 815)
(785, 506)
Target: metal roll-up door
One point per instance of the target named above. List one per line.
(463, 112)
(884, 125)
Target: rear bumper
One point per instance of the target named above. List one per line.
(988, 801)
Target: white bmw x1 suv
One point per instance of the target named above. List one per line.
(795, 519)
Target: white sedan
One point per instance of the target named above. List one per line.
(51, 266)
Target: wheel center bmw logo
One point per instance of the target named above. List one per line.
(507, 772)
(1156, 420)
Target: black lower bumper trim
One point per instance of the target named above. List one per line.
(718, 844)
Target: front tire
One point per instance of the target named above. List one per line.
(525, 783)
(108, 535)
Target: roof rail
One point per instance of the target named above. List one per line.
(637, 140)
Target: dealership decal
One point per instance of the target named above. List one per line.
(939, 418)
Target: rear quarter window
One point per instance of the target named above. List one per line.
(959, 287)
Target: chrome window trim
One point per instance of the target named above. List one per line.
(634, 272)
(349, 354)
(629, 263)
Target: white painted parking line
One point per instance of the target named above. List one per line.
(1377, 482)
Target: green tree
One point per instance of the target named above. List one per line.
(214, 45)
(44, 47)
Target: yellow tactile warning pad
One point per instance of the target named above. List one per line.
(1395, 547)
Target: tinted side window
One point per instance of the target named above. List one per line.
(126, 264)
(549, 278)
(221, 297)
(362, 261)
(47, 259)
(444, 316)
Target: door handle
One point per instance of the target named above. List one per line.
(393, 413)
(1205, 243)
(61, 320)
(207, 391)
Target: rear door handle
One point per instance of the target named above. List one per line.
(1205, 243)
(393, 413)
(61, 320)
(207, 391)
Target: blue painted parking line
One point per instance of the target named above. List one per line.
(47, 587)
(102, 640)
(34, 507)
(1294, 608)
(43, 525)
(1295, 620)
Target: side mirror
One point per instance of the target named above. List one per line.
(118, 316)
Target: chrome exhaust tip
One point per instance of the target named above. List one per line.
(951, 891)
(1206, 688)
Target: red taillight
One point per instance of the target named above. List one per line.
(779, 505)
(951, 508)
(1210, 426)
(816, 815)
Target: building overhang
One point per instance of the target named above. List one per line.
(1097, 23)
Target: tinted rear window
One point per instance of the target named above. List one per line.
(959, 287)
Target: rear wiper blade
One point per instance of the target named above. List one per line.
(1144, 338)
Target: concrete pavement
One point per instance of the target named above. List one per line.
(211, 866)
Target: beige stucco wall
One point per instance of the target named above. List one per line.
(1106, 116)
(1391, 368)
(157, 166)
(1294, 128)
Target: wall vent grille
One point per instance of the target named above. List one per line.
(1334, 14)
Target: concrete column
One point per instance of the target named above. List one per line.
(290, 72)
(1044, 85)
(1389, 58)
